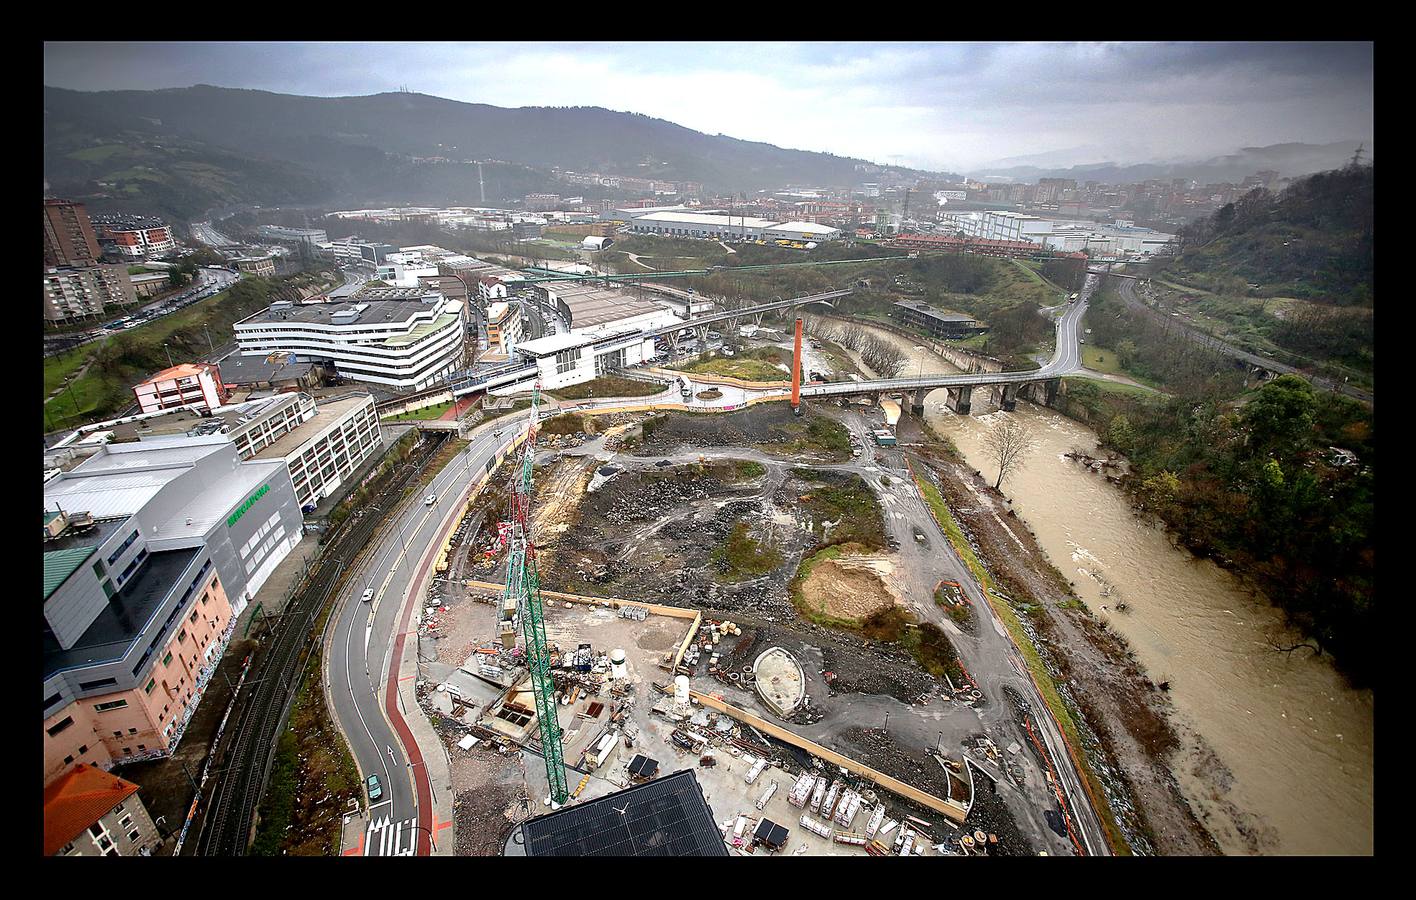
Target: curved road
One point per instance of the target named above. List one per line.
(367, 644)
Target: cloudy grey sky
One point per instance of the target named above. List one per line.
(938, 106)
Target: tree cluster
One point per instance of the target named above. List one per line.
(882, 356)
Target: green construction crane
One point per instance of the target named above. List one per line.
(523, 591)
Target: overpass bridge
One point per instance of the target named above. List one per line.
(1066, 358)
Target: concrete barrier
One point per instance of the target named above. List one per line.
(951, 808)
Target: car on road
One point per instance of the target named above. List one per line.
(375, 789)
(368, 595)
(430, 499)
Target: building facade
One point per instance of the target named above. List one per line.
(135, 236)
(256, 265)
(152, 549)
(73, 293)
(69, 238)
(408, 339)
(182, 385)
(89, 812)
(311, 236)
(935, 322)
(327, 446)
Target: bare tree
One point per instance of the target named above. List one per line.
(883, 357)
(1008, 444)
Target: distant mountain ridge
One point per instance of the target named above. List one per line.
(1289, 160)
(352, 144)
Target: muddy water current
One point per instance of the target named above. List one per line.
(1276, 750)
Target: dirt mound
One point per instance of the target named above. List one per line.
(847, 587)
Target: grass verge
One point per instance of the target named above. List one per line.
(607, 386)
(425, 414)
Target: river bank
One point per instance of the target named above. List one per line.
(1271, 752)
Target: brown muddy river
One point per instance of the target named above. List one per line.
(1278, 754)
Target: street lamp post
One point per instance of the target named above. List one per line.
(431, 840)
(169, 355)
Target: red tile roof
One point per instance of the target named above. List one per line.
(80, 797)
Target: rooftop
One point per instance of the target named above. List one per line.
(554, 343)
(181, 370)
(810, 227)
(326, 414)
(665, 817)
(701, 219)
(237, 369)
(125, 616)
(121, 478)
(926, 309)
(377, 311)
(591, 306)
(76, 800)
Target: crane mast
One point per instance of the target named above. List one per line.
(523, 595)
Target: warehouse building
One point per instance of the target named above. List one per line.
(403, 338)
(151, 551)
(701, 225)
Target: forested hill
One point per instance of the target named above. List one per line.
(343, 139)
(1313, 241)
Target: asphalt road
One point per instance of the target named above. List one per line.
(367, 643)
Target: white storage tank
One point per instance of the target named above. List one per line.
(681, 689)
(617, 664)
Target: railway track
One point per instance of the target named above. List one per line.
(250, 748)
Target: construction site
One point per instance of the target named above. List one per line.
(755, 596)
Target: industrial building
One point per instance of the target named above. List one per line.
(1120, 239)
(182, 385)
(74, 292)
(151, 551)
(728, 228)
(935, 322)
(276, 371)
(404, 338)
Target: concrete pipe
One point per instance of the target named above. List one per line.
(733, 676)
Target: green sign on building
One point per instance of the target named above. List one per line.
(250, 501)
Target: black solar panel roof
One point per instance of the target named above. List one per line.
(666, 817)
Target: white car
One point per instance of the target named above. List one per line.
(430, 499)
(368, 595)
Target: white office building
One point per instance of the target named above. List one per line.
(406, 339)
(566, 359)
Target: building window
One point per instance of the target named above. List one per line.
(142, 747)
(126, 821)
(68, 760)
(152, 683)
(182, 636)
(127, 751)
(83, 748)
(105, 707)
(117, 734)
(167, 660)
(108, 588)
(60, 726)
(133, 835)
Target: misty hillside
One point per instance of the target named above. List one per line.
(1288, 160)
(1312, 241)
(244, 145)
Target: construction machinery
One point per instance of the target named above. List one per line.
(523, 595)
